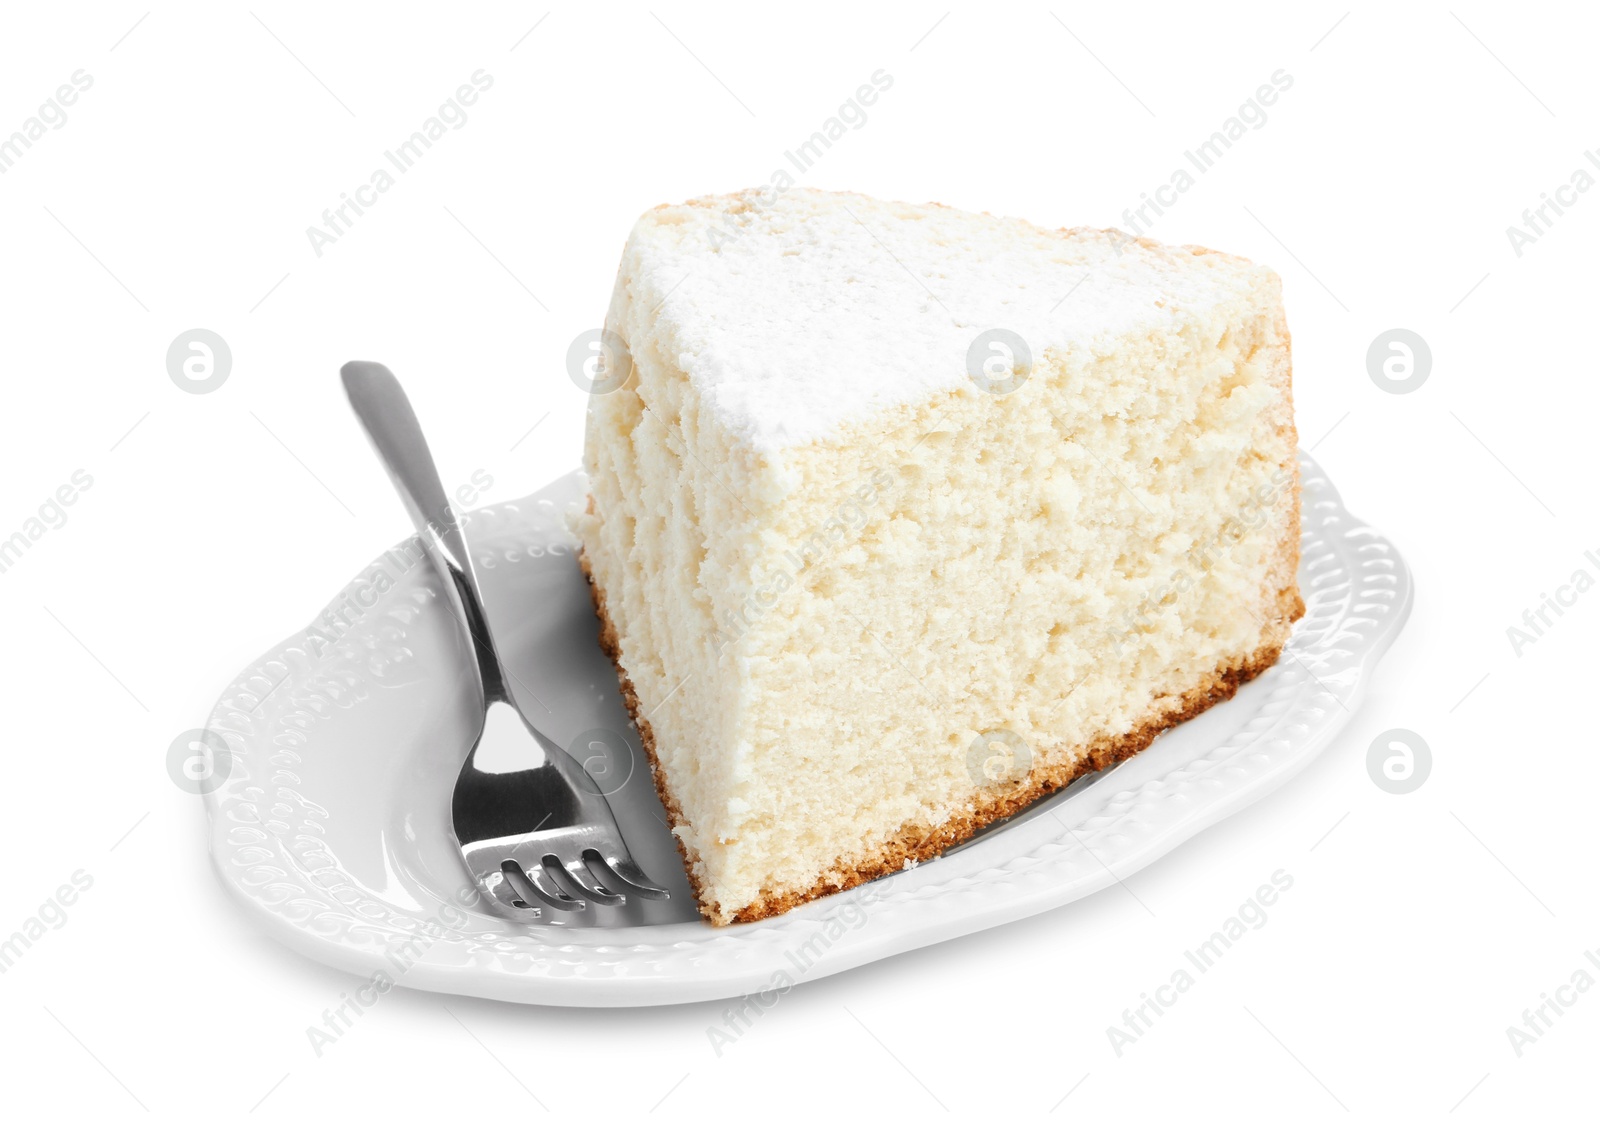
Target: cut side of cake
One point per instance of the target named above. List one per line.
(904, 517)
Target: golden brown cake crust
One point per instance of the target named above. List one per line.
(919, 844)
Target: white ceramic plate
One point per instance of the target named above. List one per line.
(332, 828)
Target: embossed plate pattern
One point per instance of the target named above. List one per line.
(331, 827)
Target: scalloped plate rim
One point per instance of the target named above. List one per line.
(628, 972)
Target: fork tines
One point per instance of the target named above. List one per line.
(568, 886)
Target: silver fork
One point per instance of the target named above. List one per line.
(537, 836)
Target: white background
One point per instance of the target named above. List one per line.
(177, 196)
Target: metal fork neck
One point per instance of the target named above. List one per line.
(463, 584)
(385, 413)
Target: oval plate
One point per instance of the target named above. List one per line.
(331, 825)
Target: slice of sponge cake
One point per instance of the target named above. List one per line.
(906, 516)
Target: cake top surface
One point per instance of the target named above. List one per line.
(796, 312)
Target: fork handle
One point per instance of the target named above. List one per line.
(391, 425)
